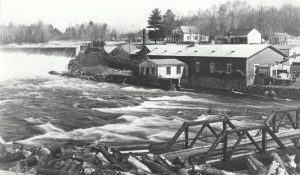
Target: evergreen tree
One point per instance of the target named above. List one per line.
(168, 23)
(155, 23)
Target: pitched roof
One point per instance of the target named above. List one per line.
(285, 48)
(240, 32)
(187, 29)
(218, 50)
(166, 61)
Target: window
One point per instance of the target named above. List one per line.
(178, 69)
(168, 70)
(153, 71)
(197, 67)
(142, 70)
(212, 67)
(255, 68)
(229, 68)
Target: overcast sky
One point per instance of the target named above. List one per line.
(125, 15)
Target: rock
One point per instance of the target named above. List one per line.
(53, 73)
(14, 157)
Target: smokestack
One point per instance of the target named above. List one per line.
(144, 37)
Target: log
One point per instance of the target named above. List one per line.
(101, 159)
(273, 168)
(49, 171)
(137, 164)
(278, 160)
(182, 171)
(255, 166)
(281, 171)
(165, 161)
(210, 171)
(157, 168)
(108, 156)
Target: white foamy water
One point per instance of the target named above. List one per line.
(20, 65)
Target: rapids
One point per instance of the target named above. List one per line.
(38, 108)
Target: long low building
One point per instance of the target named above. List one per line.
(223, 66)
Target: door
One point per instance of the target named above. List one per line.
(147, 72)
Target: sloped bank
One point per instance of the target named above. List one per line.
(116, 67)
(290, 92)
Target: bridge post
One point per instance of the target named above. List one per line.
(225, 153)
(274, 123)
(186, 137)
(298, 118)
(263, 140)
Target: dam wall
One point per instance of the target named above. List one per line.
(54, 51)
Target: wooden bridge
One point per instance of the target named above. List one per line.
(281, 130)
(232, 141)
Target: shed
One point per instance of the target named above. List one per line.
(162, 68)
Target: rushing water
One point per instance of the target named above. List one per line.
(37, 108)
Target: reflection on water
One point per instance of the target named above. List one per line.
(36, 107)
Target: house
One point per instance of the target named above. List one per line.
(241, 36)
(185, 34)
(292, 51)
(284, 39)
(223, 66)
(279, 38)
(162, 68)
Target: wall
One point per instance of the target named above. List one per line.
(150, 65)
(254, 37)
(293, 51)
(195, 37)
(162, 72)
(265, 57)
(215, 83)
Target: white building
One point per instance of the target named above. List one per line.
(162, 68)
(184, 34)
(292, 51)
(242, 36)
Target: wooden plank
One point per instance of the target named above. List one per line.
(212, 130)
(236, 145)
(186, 137)
(182, 128)
(197, 135)
(298, 119)
(194, 123)
(213, 147)
(291, 120)
(280, 121)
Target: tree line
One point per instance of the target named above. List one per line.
(218, 19)
(40, 33)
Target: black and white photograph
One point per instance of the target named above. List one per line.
(149, 87)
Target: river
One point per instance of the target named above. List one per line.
(38, 108)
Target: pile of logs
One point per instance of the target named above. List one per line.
(284, 165)
(97, 159)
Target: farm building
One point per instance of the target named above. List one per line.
(241, 36)
(185, 34)
(223, 66)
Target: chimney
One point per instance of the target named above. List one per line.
(144, 37)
